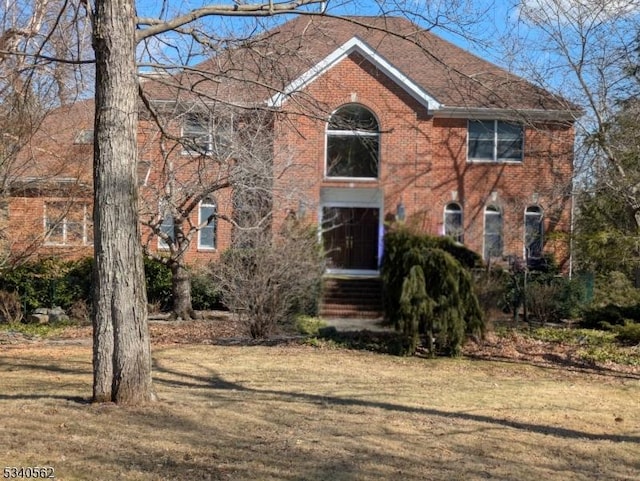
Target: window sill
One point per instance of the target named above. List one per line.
(350, 179)
(53, 244)
(497, 162)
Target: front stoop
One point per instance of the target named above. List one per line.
(352, 298)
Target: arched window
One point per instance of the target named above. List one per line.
(533, 232)
(453, 222)
(207, 222)
(353, 143)
(493, 239)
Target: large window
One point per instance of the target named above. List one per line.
(453, 222)
(67, 223)
(495, 141)
(353, 143)
(205, 134)
(207, 223)
(493, 239)
(533, 232)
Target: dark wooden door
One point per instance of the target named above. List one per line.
(350, 236)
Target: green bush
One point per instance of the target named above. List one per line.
(204, 294)
(604, 317)
(49, 282)
(615, 288)
(309, 325)
(158, 278)
(77, 282)
(554, 298)
(428, 292)
(628, 334)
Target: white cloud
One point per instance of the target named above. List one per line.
(566, 11)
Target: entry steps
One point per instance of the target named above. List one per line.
(352, 298)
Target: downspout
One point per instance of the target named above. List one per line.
(571, 229)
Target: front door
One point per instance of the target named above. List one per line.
(350, 237)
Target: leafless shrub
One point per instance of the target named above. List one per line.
(10, 307)
(80, 312)
(275, 278)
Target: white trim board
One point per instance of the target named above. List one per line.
(355, 44)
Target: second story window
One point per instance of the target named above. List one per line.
(495, 141)
(353, 143)
(207, 135)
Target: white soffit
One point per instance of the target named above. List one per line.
(355, 44)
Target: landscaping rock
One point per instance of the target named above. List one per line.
(38, 318)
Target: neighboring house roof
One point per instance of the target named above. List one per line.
(282, 61)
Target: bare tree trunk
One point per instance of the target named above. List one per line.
(181, 290)
(122, 355)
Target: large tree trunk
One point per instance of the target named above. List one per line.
(181, 290)
(122, 357)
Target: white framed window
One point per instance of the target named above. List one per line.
(493, 235)
(68, 223)
(533, 232)
(453, 222)
(208, 223)
(167, 228)
(495, 141)
(353, 143)
(206, 134)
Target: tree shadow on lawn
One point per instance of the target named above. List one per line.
(215, 382)
(556, 362)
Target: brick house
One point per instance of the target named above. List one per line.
(366, 128)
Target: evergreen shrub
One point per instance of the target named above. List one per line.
(158, 278)
(49, 282)
(628, 334)
(204, 294)
(429, 290)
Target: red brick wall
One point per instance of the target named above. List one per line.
(423, 163)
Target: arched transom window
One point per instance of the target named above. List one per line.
(353, 143)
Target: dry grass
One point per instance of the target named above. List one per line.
(302, 413)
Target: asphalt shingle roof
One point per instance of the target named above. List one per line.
(256, 69)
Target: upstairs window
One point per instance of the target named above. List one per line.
(493, 238)
(68, 224)
(207, 223)
(353, 143)
(533, 232)
(453, 222)
(495, 141)
(207, 135)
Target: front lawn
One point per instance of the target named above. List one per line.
(297, 412)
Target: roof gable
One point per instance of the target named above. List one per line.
(355, 45)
